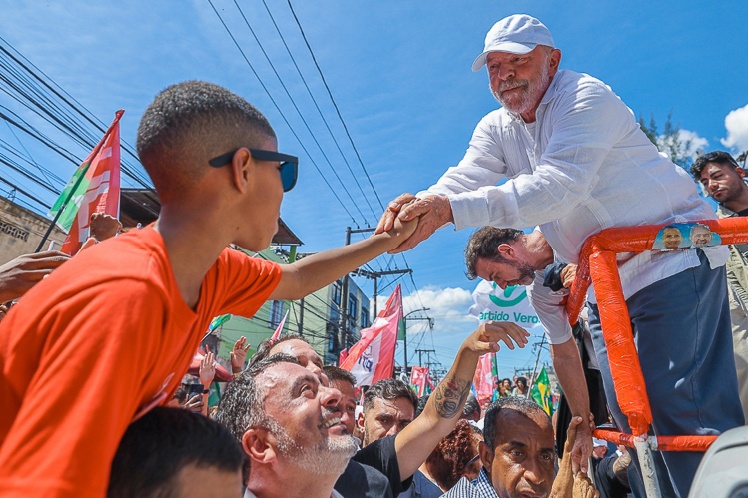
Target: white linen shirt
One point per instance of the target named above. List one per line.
(586, 166)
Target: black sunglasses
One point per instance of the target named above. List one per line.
(289, 168)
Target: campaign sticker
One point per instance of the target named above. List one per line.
(685, 236)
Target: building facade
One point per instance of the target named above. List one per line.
(21, 231)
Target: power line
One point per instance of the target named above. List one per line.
(324, 120)
(298, 23)
(33, 89)
(246, 59)
(298, 111)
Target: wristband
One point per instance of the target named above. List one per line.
(206, 391)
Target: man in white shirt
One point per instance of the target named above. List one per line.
(575, 163)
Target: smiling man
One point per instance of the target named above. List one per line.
(566, 155)
(289, 425)
(671, 238)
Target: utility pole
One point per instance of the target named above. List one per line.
(301, 317)
(428, 357)
(531, 380)
(375, 275)
(343, 332)
(364, 273)
(405, 336)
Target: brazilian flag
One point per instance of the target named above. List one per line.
(541, 392)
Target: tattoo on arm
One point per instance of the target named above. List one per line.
(449, 397)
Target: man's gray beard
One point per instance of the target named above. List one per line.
(533, 91)
(328, 457)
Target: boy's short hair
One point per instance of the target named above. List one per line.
(188, 122)
(157, 446)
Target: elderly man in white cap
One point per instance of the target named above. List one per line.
(573, 162)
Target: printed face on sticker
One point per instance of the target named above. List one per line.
(671, 238)
(700, 236)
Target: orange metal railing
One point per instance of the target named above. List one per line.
(597, 262)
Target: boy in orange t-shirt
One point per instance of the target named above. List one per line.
(112, 331)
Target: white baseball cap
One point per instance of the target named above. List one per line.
(598, 442)
(516, 34)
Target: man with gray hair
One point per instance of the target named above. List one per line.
(569, 156)
(289, 425)
(265, 401)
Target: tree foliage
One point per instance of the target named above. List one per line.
(669, 141)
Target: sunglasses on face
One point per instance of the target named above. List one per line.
(289, 167)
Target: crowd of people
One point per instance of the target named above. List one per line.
(95, 345)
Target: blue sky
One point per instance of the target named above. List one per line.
(400, 74)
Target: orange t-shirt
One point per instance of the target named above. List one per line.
(106, 336)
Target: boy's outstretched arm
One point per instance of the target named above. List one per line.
(444, 407)
(305, 276)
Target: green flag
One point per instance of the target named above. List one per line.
(215, 394)
(74, 198)
(495, 376)
(401, 330)
(218, 321)
(541, 392)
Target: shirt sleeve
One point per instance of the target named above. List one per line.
(482, 165)
(90, 377)
(585, 123)
(244, 282)
(551, 313)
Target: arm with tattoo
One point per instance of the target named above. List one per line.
(450, 396)
(414, 443)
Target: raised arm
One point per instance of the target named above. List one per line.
(314, 272)
(414, 443)
(20, 274)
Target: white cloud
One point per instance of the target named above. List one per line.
(689, 142)
(448, 307)
(736, 123)
(695, 142)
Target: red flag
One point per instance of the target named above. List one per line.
(276, 335)
(418, 377)
(102, 191)
(343, 356)
(483, 381)
(373, 357)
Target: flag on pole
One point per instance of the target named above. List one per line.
(94, 188)
(343, 356)
(418, 376)
(373, 357)
(276, 335)
(495, 374)
(484, 380)
(541, 392)
(218, 321)
(429, 385)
